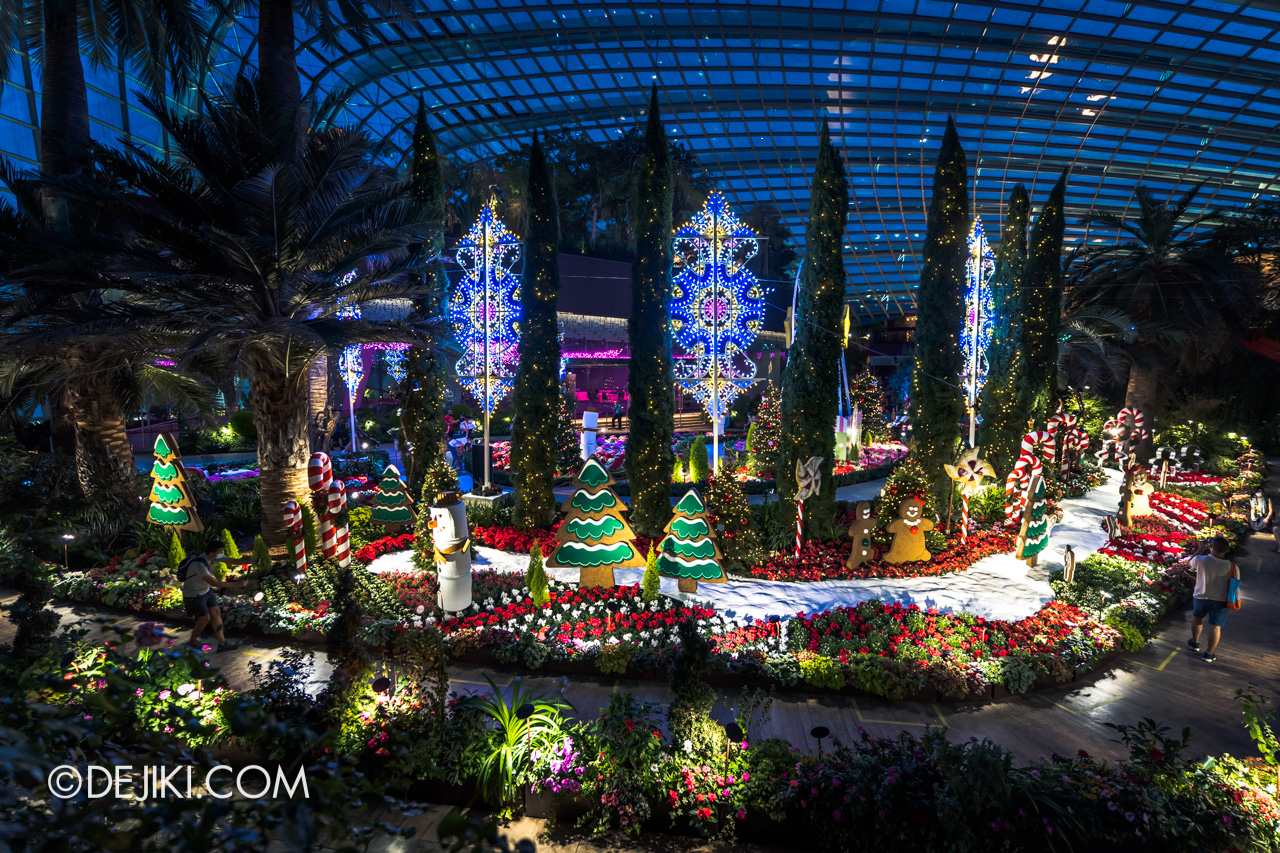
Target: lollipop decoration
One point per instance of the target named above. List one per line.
(293, 521)
(808, 478)
(968, 473)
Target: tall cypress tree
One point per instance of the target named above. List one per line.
(426, 371)
(1042, 309)
(937, 404)
(1003, 423)
(651, 379)
(810, 381)
(536, 397)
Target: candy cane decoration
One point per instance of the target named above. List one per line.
(1056, 424)
(1076, 440)
(1066, 428)
(342, 536)
(1112, 432)
(1042, 440)
(1018, 483)
(319, 471)
(1139, 422)
(293, 521)
(808, 477)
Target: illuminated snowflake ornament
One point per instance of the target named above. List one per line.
(485, 309)
(717, 305)
(351, 366)
(979, 318)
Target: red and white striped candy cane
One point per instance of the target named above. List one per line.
(341, 535)
(1018, 483)
(1056, 420)
(293, 521)
(319, 471)
(1041, 441)
(1139, 422)
(964, 517)
(799, 525)
(1065, 429)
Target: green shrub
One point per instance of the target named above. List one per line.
(614, 658)
(1016, 674)
(1131, 639)
(651, 583)
(229, 546)
(261, 555)
(309, 536)
(822, 671)
(536, 577)
(785, 670)
(176, 552)
(241, 422)
(699, 467)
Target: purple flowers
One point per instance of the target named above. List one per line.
(565, 771)
(148, 634)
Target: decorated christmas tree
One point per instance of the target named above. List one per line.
(906, 481)
(568, 449)
(732, 525)
(392, 505)
(865, 393)
(594, 537)
(1034, 536)
(171, 503)
(766, 434)
(689, 551)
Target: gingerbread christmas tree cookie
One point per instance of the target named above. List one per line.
(688, 551)
(595, 537)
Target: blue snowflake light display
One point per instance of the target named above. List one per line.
(485, 308)
(979, 319)
(717, 305)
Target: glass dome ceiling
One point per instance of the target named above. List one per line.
(1168, 94)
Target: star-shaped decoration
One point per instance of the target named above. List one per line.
(970, 471)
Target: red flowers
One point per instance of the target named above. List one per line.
(385, 545)
(825, 561)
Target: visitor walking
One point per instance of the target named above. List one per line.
(199, 599)
(1213, 583)
(618, 411)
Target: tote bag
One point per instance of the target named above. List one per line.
(1233, 589)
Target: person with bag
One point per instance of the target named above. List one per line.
(1217, 593)
(198, 597)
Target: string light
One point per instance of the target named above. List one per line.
(485, 309)
(979, 320)
(717, 305)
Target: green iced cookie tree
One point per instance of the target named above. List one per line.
(171, 503)
(392, 505)
(689, 552)
(594, 537)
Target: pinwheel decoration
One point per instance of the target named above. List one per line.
(968, 473)
(808, 480)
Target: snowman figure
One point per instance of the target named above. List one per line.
(908, 534)
(590, 421)
(864, 524)
(450, 538)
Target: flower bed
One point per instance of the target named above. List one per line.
(821, 561)
(1183, 512)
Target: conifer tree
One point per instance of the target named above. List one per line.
(810, 381)
(536, 397)
(261, 555)
(651, 378)
(422, 390)
(536, 577)
(699, 469)
(651, 581)
(1042, 309)
(229, 545)
(567, 446)
(1003, 424)
(765, 438)
(936, 401)
(868, 398)
(732, 524)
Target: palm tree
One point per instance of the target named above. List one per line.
(1090, 342)
(279, 84)
(251, 258)
(157, 39)
(1174, 276)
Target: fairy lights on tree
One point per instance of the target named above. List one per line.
(717, 308)
(484, 311)
(979, 319)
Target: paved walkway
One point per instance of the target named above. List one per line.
(1163, 681)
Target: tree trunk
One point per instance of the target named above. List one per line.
(1141, 395)
(279, 407)
(278, 81)
(318, 401)
(64, 105)
(104, 459)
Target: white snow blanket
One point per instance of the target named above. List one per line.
(996, 587)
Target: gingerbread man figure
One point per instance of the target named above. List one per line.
(908, 534)
(864, 524)
(1140, 494)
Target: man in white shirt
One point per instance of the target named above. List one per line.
(1213, 582)
(199, 599)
